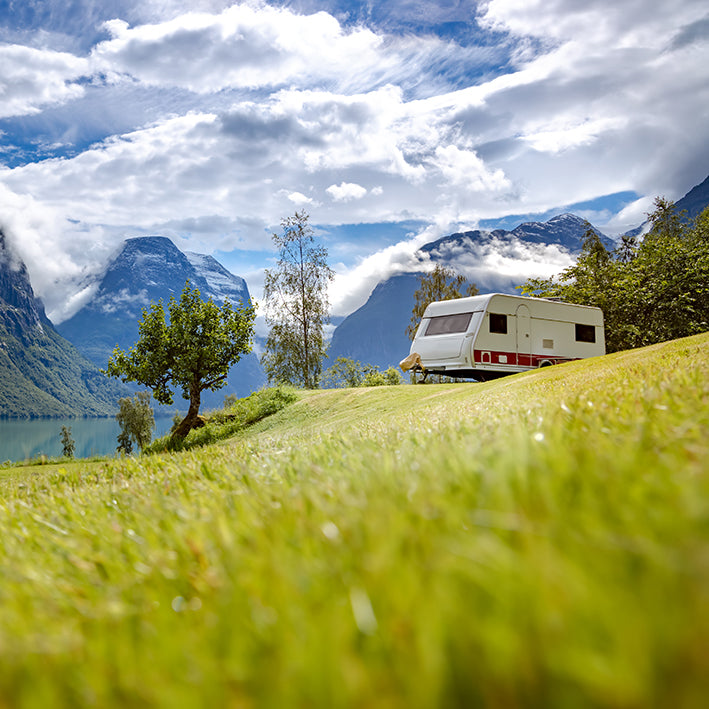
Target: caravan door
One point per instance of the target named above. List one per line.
(524, 337)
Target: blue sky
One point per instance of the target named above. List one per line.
(392, 123)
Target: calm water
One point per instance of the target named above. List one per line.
(23, 439)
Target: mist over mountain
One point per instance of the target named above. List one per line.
(146, 270)
(496, 261)
(41, 374)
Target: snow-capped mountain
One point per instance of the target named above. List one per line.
(41, 374)
(146, 270)
(219, 283)
(496, 261)
(566, 231)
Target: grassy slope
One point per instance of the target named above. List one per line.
(536, 541)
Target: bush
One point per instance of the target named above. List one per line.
(347, 372)
(68, 444)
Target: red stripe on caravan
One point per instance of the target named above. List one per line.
(511, 358)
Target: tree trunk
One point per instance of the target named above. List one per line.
(193, 419)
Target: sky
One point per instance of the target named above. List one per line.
(390, 123)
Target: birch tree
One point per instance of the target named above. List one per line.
(296, 306)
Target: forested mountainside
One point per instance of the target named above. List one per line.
(41, 373)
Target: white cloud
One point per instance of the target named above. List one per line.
(465, 169)
(510, 260)
(251, 45)
(258, 109)
(60, 255)
(352, 287)
(346, 191)
(565, 136)
(31, 79)
(299, 199)
(633, 215)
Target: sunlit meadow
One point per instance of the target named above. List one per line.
(540, 540)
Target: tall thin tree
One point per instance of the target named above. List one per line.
(296, 305)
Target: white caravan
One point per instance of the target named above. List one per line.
(488, 336)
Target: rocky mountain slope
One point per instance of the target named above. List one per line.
(149, 269)
(41, 374)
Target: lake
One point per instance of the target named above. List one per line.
(21, 439)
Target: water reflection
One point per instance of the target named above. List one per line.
(21, 439)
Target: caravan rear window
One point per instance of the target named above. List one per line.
(585, 333)
(448, 324)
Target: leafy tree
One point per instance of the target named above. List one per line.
(230, 400)
(68, 444)
(442, 283)
(650, 291)
(376, 378)
(137, 421)
(627, 249)
(347, 372)
(192, 352)
(295, 293)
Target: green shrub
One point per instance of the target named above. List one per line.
(348, 372)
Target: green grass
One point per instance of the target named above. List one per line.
(243, 413)
(538, 541)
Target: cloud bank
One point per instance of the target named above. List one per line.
(241, 113)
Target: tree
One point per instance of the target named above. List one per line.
(344, 372)
(347, 372)
(442, 283)
(650, 291)
(68, 444)
(193, 352)
(136, 419)
(296, 303)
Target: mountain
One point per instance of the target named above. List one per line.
(375, 333)
(693, 204)
(496, 261)
(41, 374)
(146, 270)
(696, 200)
(564, 230)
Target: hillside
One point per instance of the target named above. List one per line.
(539, 540)
(41, 374)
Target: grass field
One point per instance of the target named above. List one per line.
(538, 541)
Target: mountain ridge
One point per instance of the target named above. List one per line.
(375, 332)
(41, 373)
(148, 269)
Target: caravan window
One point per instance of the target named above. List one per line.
(498, 323)
(448, 324)
(585, 333)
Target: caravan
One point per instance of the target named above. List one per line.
(488, 336)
